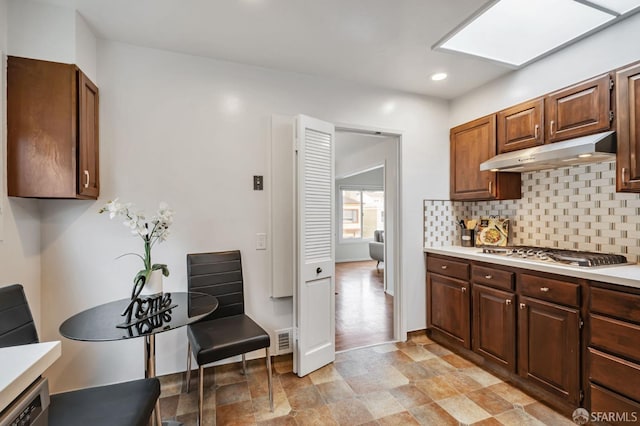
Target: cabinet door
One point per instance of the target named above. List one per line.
(88, 153)
(579, 110)
(52, 128)
(41, 129)
(628, 129)
(471, 144)
(494, 325)
(521, 126)
(448, 307)
(549, 347)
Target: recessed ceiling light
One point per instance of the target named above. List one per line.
(515, 32)
(439, 76)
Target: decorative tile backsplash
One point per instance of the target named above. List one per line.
(574, 207)
(439, 223)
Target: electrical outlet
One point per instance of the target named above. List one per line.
(261, 241)
(258, 183)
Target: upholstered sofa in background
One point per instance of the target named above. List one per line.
(376, 247)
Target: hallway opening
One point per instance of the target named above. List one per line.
(367, 232)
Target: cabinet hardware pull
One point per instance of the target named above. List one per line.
(490, 185)
(488, 277)
(544, 289)
(464, 289)
(86, 182)
(508, 301)
(551, 123)
(443, 267)
(536, 130)
(623, 172)
(522, 306)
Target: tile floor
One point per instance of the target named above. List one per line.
(414, 383)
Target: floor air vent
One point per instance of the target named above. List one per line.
(284, 341)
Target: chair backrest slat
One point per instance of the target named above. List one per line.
(16, 323)
(218, 274)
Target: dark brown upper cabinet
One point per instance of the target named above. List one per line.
(521, 126)
(628, 129)
(52, 131)
(471, 144)
(579, 110)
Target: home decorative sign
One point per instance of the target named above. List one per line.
(148, 313)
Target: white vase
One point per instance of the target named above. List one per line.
(154, 285)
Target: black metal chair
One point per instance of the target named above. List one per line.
(16, 323)
(123, 404)
(228, 331)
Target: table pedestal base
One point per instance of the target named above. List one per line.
(150, 371)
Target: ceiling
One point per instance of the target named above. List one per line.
(383, 43)
(353, 143)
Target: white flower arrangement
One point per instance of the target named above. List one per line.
(151, 232)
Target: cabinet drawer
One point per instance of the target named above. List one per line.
(615, 336)
(450, 268)
(615, 373)
(604, 402)
(549, 289)
(616, 304)
(492, 277)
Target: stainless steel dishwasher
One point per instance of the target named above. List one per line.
(31, 407)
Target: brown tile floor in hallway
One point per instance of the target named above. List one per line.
(364, 312)
(414, 383)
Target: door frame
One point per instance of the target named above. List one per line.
(399, 299)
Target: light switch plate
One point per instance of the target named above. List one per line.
(261, 241)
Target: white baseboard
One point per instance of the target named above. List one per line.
(353, 260)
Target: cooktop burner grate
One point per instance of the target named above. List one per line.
(570, 257)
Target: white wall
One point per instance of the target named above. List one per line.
(41, 31)
(20, 223)
(611, 48)
(193, 131)
(85, 48)
(51, 33)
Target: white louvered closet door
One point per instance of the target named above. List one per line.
(314, 291)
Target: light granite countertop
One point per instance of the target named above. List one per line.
(626, 275)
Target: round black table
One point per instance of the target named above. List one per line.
(106, 323)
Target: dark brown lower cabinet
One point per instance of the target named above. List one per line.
(611, 408)
(448, 307)
(613, 355)
(618, 374)
(494, 325)
(548, 347)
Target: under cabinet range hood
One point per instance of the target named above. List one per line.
(586, 149)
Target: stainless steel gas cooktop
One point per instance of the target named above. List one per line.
(569, 257)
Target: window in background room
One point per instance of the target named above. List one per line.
(362, 213)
